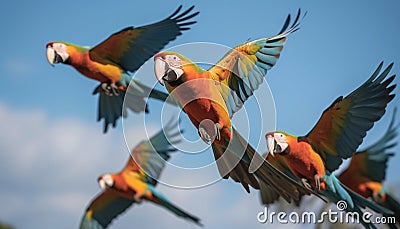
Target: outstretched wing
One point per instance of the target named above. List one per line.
(242, 70)
(131, 47)
(343, 125)
(103, 209)
(269, 195)
(373, 160)
(149, 157)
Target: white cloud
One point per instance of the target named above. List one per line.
(49, 169)
(51, 166)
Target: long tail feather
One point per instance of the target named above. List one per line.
(163, 201)
(393, 205)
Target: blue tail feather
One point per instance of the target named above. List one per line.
(163, 201)
(336, 192)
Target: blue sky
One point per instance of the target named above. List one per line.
(52, 149)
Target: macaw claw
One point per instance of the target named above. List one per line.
(138, 198)
(317, 182)
(204, 135)
(380, 197)
(218, 127)
(304, 181)
(110, 89)
(209, 131)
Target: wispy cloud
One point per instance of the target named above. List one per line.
(51, 166)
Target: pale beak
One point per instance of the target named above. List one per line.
(51, 55)
(102, 184)
(54, 57)
(160, 69)
(271, 144)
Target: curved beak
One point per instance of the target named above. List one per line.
(51, 55)
(102, 184)
(160, 69)
(271, 144)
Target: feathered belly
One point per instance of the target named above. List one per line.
(305, 164)
(101, 73)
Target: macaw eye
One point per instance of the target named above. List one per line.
(174, 57)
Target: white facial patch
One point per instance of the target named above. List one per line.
(280, 138)
(173, 61)
(106, 182)
(108, 179)
(60, 47)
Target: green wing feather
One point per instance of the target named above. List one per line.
(377, 155)
(152, 155)
(242, 70)
(103, 209)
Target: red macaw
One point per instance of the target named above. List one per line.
(135, 183)
(336, 136)
(211, 97)
(112, 62)
(364, 174)
(367, 170)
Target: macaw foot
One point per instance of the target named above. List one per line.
(379, 197)
(305, 183)
(217, 129)
(209, 131)
(317, 182)
(110, 89)
(204, 135)
(138, 198)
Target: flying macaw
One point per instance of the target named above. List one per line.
(336, 136)
(367, 170)
(210, 98)
(113, 61)
(135, 183)
(364, 174)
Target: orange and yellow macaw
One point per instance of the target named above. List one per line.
(135, 183)
(113, 61)
(336, 136)
(210, 98)
(367, 170)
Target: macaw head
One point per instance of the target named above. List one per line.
(57, 52)
(277, 143)
(169, 66)
(105, 181)
(60, 52)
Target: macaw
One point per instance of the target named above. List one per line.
(113, 61)
(367, 170)
(336, 136)
(210, 98)
(135, 183)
